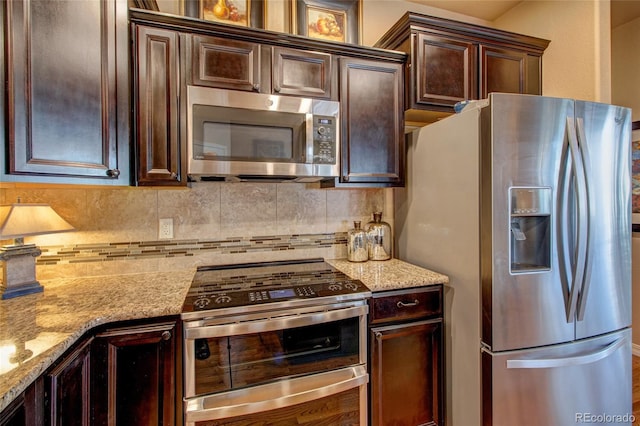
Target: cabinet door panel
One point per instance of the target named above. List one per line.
(372, 139)
(302, 73)
(64, 65)
(227, 64)
(158, 126)
(407, 374)
(445, 70)
(502, 70)
(68, 386)
(134, 375)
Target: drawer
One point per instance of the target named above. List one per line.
(399, 305)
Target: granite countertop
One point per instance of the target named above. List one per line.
(43, 326)
(392, 274)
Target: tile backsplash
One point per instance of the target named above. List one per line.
(213, 223)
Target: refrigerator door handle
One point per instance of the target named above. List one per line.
(582, 298)
(582, 217)
(568, 361)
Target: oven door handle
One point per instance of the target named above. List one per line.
(284, 393)
(274, 323)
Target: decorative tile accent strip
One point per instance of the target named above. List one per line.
(53, 255)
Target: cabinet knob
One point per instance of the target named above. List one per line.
(166, 335)
(378, 335)
(114, 173)
(401, 304)
(277, 88)
(174, 175)
(256, 87)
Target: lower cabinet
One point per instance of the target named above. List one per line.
(133, 375)
(115, 375)
(406, 357)
(67, 388)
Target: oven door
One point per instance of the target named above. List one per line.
(258, 363)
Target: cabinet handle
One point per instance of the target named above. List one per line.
(166, 335)
(114, 173)
(401, 304)
(378, 335)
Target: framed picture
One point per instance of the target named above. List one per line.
(245, 13)
(635, 173)
(334, 20)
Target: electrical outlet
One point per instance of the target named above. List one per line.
(165, 229)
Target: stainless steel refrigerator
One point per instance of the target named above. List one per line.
(524, 202)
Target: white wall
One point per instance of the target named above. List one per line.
(577, 63)
(625, 66)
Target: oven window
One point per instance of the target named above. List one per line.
(237, 134)
(239, 361)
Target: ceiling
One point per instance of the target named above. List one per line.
(622, 11)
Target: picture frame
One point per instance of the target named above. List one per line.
(331, 20)
(635, 174)
(244, 13)
(144, 4)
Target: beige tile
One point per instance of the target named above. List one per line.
(344, 206)
(195, 211)
(302, 209)
(247, 209)
(123, 214)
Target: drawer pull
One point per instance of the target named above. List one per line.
(401, 304)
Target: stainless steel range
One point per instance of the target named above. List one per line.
(275, 341)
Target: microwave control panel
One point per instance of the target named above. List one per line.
(324, 139)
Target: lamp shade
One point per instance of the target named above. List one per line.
(24, 219)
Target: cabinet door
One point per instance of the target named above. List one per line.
(27, 409)
(68, 394)
(134, 375)
(67, 92)
(445, 70)
(302, 73)
(407, 374)
(225, 63)
(502, 70)
(160, 155)
(372, 122)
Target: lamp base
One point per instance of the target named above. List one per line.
(19, 271)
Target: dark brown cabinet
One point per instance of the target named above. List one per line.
(453, 61)
(303, 73)
(158, 128)
(368, 83)
(66, 116)
(27, 409)
(372, 137)
(225, 63)
(134, 375)
(67, 389)
(406, 357)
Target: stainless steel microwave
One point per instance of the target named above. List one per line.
(235, 135)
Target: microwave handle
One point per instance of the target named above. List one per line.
(276, 323)
(274, 395)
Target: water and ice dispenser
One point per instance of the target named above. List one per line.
(530, 221)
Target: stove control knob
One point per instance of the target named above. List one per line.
(335, 287)
(223, 299)
(351, 286)
(201, 303)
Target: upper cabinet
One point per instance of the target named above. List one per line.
(172, 53)
(65, 114)
(453, 61)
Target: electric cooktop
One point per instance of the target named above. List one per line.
(250, 284)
